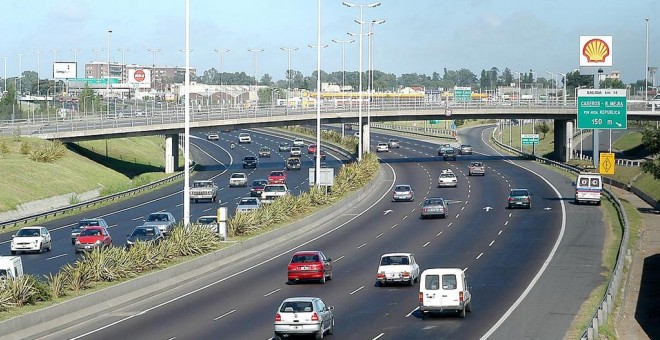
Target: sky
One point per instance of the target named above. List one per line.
(418, 36)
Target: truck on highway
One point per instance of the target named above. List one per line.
(11, 267)
(203, 190)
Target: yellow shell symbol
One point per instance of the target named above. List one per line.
(305, 93)
(596, 50)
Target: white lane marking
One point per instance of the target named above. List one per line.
(545, 263)
(411, 313)
(394, 226)
(404, 217)
(338, 259)
(449, 225)
(491, 243)
(466, 202)
(479, 256)
(209, 209)
(498, 234)
(413, 210)
(510, 214)
(378, 337)
(223, 315)
(462, 208)
(426, 244)
(56, 256)
(506, 223)
(362, 245)
(273, 292)
(458, 215)
(379, 235)
(465, 269)
(112, 226)
(355, 291)
(438, 234)
(137, 218)
(271, 259)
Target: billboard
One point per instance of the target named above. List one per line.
(139, 78)
(596, 50)
(64, 70)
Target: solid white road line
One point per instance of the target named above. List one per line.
(355, 291)
(223, 315)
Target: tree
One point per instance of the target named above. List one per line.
(611, 83)
(494, 77)
(507, 78)
(543, 128)
(651, 140)
(266, 80)
(484, 81)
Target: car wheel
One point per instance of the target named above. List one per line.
(411, 282)
(332, 327)
(50, 246)
(320, 333)
(13, 252)
(73, 242)
(330, 276)
(468, 307)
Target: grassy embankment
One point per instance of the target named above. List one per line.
(130, 162)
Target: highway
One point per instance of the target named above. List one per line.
(218, 162)
(503, 252)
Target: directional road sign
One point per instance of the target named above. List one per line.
(602, 109)
(606, 163)
(530, 138)
(462, 94)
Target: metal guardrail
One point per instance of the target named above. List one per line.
(607, 303)
(414, 130)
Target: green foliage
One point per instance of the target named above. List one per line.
(49, 152)
(56, 285)
(25, 148)
(4, 149)
(21, 290)
(651, 140)
(543, 128)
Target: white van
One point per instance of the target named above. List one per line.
(10, 267)
(444, 290)
(588, 188)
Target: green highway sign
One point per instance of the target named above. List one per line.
(434, 122)
(602, 109)
(530, 138)
(95, 81)
(462, 94)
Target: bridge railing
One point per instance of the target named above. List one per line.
(606, 305)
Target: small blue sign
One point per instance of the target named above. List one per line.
(453, 126)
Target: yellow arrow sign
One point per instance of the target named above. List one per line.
(606, 163)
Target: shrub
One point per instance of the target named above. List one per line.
(48, 152)
(25, 148)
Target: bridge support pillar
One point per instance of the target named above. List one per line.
(171, 153)
(562, 137)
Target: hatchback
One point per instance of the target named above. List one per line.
(93, 237)
(36, 239)
(519, 198)
(86, 222)
(144, 234)
(164, 220)
(304, 315)
(309, 265)
(403, 192)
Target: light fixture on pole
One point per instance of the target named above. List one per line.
(107, 83)
(519, 90)
(317, 169)
(289, 74)
(343, 60)
(554, 82)
(255, 51)
(20, 73)
(153, 66)
(361, 6)
(222, 61)
(646, 64)
(564, 83)
(370, 72)
(38, 53)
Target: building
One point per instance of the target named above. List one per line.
(162, 76)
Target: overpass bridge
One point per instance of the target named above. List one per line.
(170, 122)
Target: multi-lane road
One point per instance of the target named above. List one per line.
(507, 255)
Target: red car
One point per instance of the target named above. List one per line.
(309, 265)
(93, 237)
(277, 177)
(311, 149)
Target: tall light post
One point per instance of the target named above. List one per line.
(20, 73)
(186, 143)
(370, 71)
(646, 64)
(361, 6)
(343, 60)
(288, 50)
(38, 53)
(222, 52)
(123, 63)
(519, 75)
(107, 83)
(564, 83)
(317, 168)
(256, 52)
(554, 81)
(5, 88)
(54, 50)
(75, 58)
(153, 67)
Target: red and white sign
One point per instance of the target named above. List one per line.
(139, 77)
(596, 51)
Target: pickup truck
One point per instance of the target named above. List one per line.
(203, 190)
(397, 267)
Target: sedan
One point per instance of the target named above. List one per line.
(277, 177)
(144, 234)
(309, 265)
(519, 198)
(434, 206)
(311, 149)
(447, 179)
(36, 239)
(295, 152)
(213, 136)
(403, 192)
(249, 162)
(257, 187)
(382, 147)
(304, 315)
(247, 204)
(93, 237)
(298, 142)
(466, 149)
(264, 152)
(164, 220)
(323, 154)
(238, 179)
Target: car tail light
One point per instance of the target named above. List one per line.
(510, 199)
(424, 209)
(278, 317)
(460, 296)
(526, 199)
(315, 317)
(421, 297)
(380, 275)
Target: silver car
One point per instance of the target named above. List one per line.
(164, 220)
(434, 206)
(304, 315)
(247, 204)
(403, 192)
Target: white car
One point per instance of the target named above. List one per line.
(238, 179)
(447, 179)
(295, 152)
(397, 267)
(213, 136)
(298, 142)
(36, 239)
(244, 137)
(272, 192)
(304, 315)
(382, 147)
(247, 204)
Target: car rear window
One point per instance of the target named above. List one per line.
(296, 307)
(519, 193)
(394, 260)
(402, 188)
(207, 220)
(432, 282)
(449, 281)
(304, 258)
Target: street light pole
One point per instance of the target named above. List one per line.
(371, 75)
(20, 73)
(554, 85)
(255, 51)
(55, 50)
(646, 65)
(107, 83)
(123, 63)
(153, 67)
(564, 83)
(222, 61)
(343, 60)
(371, 5)
(288, 50)
(38, 53)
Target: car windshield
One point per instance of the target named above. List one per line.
(447, 175)
(249, 158)
(394, 260)
(400, 188)
(248, 201)
(91, 232)
(28, 232)
(144, 232)
(157, 218)
(296, 307)
(88, 223)
(277, 173)
(259, 183)
(477, 164)
(294, 161)
(206, 220)
(519, 193)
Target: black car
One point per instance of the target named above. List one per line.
(249, 162)
(449, 154)
(257, 187)
(144, 234)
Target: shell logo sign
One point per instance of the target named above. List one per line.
(596, 51)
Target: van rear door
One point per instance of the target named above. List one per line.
(431, 296)
(450, 293)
